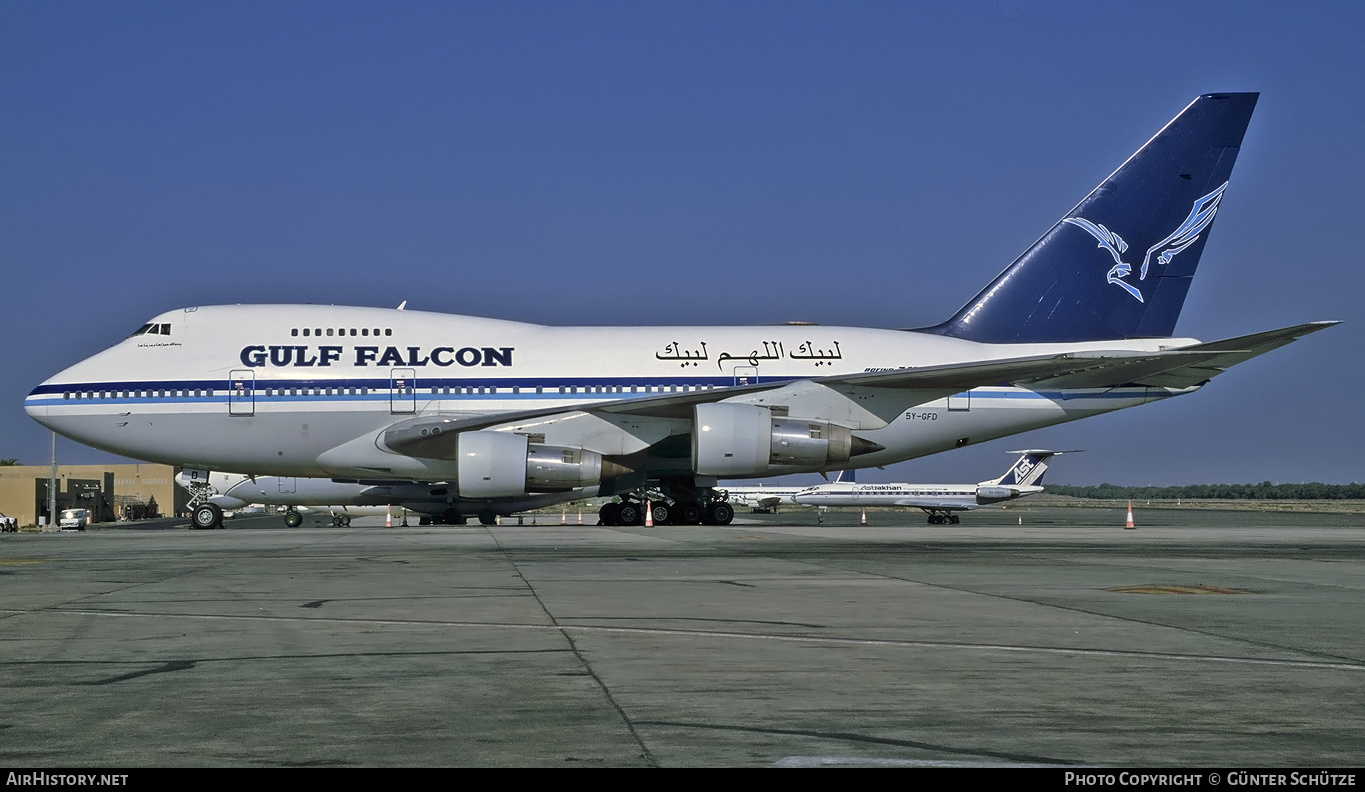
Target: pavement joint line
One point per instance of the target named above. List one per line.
(813, 639)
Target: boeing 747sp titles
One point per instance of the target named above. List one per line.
(498, 412)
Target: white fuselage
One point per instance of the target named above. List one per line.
(762, 497)
(943, 497)
(308, 390)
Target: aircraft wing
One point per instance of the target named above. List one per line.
(1103, 367)
(927, 383)
(1177, 368)
(417, 436)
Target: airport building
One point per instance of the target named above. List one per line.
(106, 492)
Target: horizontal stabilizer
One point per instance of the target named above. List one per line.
(1229, 352)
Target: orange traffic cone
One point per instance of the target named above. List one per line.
(864, 517)
(649, 515)
(564, 517)
(580, 515)
(1130, 516)
(388, 517)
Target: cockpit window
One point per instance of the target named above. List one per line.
(164, 328)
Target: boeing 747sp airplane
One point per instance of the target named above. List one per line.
(939, 501)
(1080, 324)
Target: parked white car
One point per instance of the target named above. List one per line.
(73, 520)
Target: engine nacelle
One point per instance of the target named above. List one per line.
(502, 465)
(744, 440)
(994, 494)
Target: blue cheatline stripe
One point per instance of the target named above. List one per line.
(380, 391)
(424, 384)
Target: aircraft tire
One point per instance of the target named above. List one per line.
(661, 513)
(720, 513)
(293, 519)
(207, 515)
(687, 513)
(346, 521)
(610, 514)
(954, 519)
(488, 517)
(630, 513)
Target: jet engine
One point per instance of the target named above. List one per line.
(744, 440)
(994, 494)
(500, 465)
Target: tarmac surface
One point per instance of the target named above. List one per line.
(1199, 639)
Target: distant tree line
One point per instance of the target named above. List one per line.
(1263, 491)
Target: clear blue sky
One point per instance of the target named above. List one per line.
(628, 163)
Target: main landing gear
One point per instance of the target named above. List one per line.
(451, 517)
(671, 502)
(941, 517)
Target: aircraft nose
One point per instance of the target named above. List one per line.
(51, 402)
(36, 404)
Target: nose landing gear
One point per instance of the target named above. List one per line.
(207, 515)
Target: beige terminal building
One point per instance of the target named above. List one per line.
(107, 492)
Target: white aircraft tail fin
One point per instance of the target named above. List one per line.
(1028, 470)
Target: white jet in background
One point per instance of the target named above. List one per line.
(939, 501)
(215, 492)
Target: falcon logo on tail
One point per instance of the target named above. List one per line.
(1201, 214)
